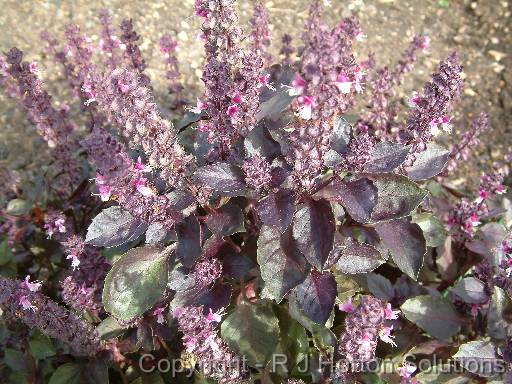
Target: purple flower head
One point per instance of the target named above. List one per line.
(131, 49)
(287, 50)
(109, 42)
(258, 173)
(168, 49)
(261, 35)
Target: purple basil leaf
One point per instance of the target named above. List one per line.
(282, 265)
(113, 227)
(397, 196)
(216, 298)
(313, 229)
(341, 134)
(260, 142)
(136, 281)
(182, 200)
(316, 296)
(429, 163)
(479, 357)
(487, 242)
(236, 265)
(277, 209)
(275, 101)
(358, 197)
(380, 286)
(188, 249)
(158, 234)
(226, 220)
(471, 290)
(405, 242)
(225, 178)
(188, 119)
(386, 157)
(352, 257)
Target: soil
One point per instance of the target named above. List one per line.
(478, 30)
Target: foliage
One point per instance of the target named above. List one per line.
(265, 222)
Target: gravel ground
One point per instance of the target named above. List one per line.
(478, 30)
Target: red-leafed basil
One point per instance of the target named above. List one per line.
(225, 178)
(386, 157)
(429, 163)
(313, 229)
(316, 296)
(282, 265)
(277, 209)
(351, 257)
(406, 244)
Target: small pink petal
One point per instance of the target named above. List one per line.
(347, 306)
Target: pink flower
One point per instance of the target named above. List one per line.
(200, 106)
(444, 122)
(347, 306)
(142, 188)
(389, 313)
(214, 317)
(190, 344)
(237, 98)
(140, 167)
(32, 287)
(123, 88)
(501, 189)
(33, 67)
(298, 85)
(425, 44)
(105, 192)
(307, 103)
(343, 83)
(360, 36)
(358, 79)
(233, 110)
(385, 335)
(264, 81)
(159, 313)
(58, 225)
(26, 304)
(406, 370)
(75, 262)
(414, 100)
(199, 10)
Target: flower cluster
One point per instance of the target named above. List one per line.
(53, 124)
(287, 50)
(124, 97)
(131, 49)
(55, 321)
(168, 48)
(201, 339)
(364, 326)
(109, 42)
(261, 35)
(433, 108)
(258, 173)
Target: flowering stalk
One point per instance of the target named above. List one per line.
(124, 97)
(109, 42)
(287, 50)
(433, 108)
(261, 35)
(36, 310)
(221, 42)
(131, 49)
(168, 48)
(52, 124)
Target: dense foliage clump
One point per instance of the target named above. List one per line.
(299, 212)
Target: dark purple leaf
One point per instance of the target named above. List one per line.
(236, 265)
(358, 197)
(380, 286)
(316, 296)
(282, 265)
(226, 220)
(429, 163)
(113, 227)
(406, 244)
(225, 178)
(260, 142)
(313, 229)
(397, 196)
(352, 257)
(471, 290)
(216, 298)
(341, 134)
(386, 157)
(189, 240)
(277, 209)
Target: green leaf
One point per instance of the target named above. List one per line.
(282, 265)
(136, 282)
(439, 375)
(68, 373)
(15, 360)
(41, 346)
(433, 314)
(294, 339)
(97, 372)
(433, 229)
(18, 207)
(479, 357)
(397, 196)
(252, 331)
(109, 328)
(6, 254)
